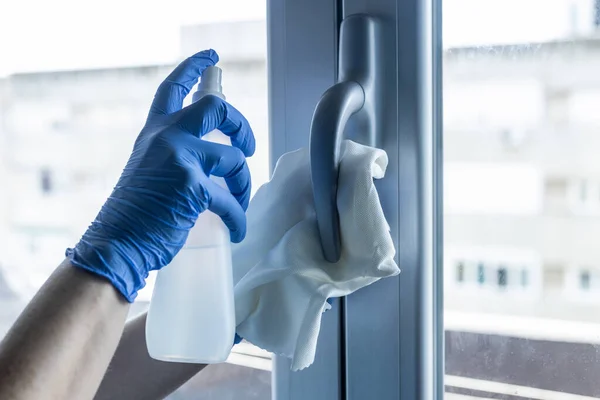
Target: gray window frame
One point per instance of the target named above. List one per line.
(385, 341)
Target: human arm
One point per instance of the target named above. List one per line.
(61, 344)
(141, 227)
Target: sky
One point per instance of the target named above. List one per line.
(38, 35)
(70, 34)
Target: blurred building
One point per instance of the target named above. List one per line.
(522, 179)
(66, 136)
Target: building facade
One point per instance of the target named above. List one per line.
(522, 179)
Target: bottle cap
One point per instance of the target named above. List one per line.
(210, 83)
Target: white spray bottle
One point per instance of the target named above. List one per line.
(192, 316)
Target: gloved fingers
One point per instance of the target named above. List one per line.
(237, 339)
(210, 113)
(225, 206)
(229, 163)
(173, 90)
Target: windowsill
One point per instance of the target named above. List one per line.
(248, 355)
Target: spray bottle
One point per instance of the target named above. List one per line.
(192, 316)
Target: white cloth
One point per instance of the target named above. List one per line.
(282, 280)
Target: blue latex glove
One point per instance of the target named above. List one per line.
(165, 184)
(237, 339)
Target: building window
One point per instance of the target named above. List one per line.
(502, 277)
(584, 280)
(46, 181)
(524, 278)
(460, 272)
(480, 273)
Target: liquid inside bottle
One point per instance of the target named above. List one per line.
(192, 314)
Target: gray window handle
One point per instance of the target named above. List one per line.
(355, 95)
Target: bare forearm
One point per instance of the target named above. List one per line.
(133, 375)
(63, 341)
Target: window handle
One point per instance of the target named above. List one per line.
(356, 95)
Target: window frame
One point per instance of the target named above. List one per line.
(396, 352)
(301, 66)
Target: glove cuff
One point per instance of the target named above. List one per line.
(106, 261)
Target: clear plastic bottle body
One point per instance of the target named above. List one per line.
(192, 313)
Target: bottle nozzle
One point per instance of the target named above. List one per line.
(210, 83)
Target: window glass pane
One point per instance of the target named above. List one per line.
(75, 88)
(522, 198)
